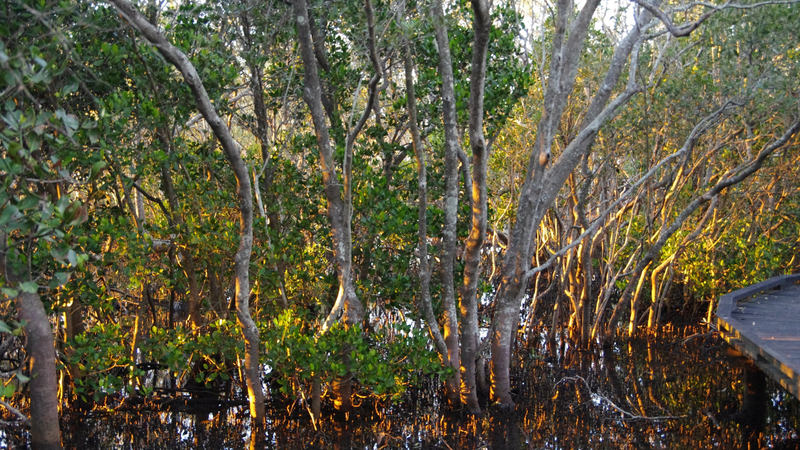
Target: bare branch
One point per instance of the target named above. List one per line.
(687, 28)
(16, 412)
(679, 31)
(629, 415)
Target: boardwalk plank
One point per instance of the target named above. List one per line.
(763, 322)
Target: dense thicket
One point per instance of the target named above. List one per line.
(329, 197)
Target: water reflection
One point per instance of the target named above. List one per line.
(678, 392)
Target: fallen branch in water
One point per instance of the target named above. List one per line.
(630, 416)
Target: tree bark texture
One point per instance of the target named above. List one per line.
(347, 304)
(422, 193)
(472, 255)
(449, 236)
(243, 192)
(45, 433)
(541, 185)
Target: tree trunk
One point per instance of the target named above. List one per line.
(347, 304)
(449, 235)
(472, 254)
(541, 185)
(347, 307)
(425, 303)
(45, 434)
(244, 198)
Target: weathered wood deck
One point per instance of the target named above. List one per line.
(763, 322)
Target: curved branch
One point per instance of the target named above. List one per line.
(244, 194)
(679, 31)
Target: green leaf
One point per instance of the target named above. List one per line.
(7, 214)
(70, 121)
(8, 390)
(29, 286)
(96, 169)
(70, 88)
(60, 279)
(94, 135)
(29, 202)
(72, 257)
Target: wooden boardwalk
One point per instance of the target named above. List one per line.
(763, 322)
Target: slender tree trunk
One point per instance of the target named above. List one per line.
(422, 193)
(45, 433)
(472, 255)
(176, 218)
(347, 303)
(243, 193)
(449, 235)
(262, 133)
(347, 307)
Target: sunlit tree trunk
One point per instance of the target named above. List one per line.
(472, 256)
(425, 303)
(449, 235)
(243, 192)
(348, 307)
(542, 184)
(347, 303)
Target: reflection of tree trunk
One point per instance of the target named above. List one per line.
(753, 413)
(504, 432)
(634, 378)
(45, 433)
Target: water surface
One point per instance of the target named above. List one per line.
(681, 390)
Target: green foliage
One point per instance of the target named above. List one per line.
(40, 216)
(509, 74)
(382, 366)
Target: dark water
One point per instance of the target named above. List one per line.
(681, 390)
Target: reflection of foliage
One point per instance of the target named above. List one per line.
(673, 376)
